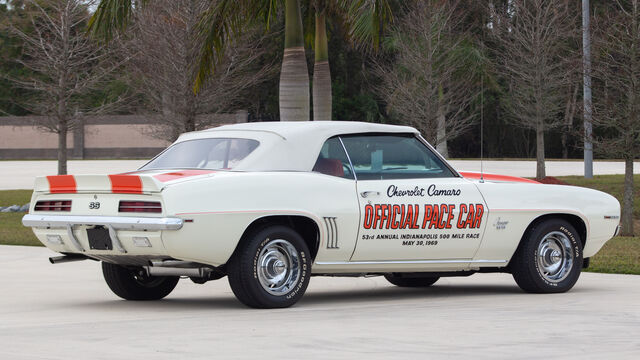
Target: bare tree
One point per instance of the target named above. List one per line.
(165, 64)
(616, 72)
(432, 82)
(66, 63)
(533, 38)
(570, 109)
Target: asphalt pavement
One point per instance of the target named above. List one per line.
(66, 311)
(20, 174)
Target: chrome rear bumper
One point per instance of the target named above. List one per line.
(113, 223)
(116, 222)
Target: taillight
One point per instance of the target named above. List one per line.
(53, 205)
(140, 206)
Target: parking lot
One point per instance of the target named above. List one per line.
(66, 311)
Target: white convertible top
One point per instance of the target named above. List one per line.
(290, 145)
(315, 129)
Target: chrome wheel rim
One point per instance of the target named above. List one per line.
(278, 267)
(555, 257)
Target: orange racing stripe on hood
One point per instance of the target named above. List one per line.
(494, 177)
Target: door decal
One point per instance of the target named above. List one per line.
(433, 216)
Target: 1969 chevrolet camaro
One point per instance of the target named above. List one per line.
(271, 204)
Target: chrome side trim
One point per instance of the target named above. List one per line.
(332, 232)
(412, 262)
(117, 222)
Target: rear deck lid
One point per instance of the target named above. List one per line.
(144, 182)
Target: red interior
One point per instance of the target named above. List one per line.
(329, 166)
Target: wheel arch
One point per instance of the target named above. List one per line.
(576, 221)
(304, 225)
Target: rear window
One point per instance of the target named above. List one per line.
(214, 154)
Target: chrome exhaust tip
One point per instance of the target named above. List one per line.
(67, 258)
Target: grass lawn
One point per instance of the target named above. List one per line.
(620, 255)
(11, 230)
(14, 197)
(13, 233)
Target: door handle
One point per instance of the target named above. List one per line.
(365, 194)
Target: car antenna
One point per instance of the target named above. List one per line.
(481, 127)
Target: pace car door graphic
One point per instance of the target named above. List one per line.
(419, 219)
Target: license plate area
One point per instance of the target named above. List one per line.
(99, 238)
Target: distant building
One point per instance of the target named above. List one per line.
(115, 136)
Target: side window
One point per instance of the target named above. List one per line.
(333, 161)
(393, 157)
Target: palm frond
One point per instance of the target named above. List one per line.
(223, 20)
(110, 17)
(367, 20)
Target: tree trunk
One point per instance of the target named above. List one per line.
(190, 121)
(587, 103)
(569, 114)
(322, 105)
(441, 126)
(627, 198)
(63, 125)
(62, 147)
(540, 172)
(190, 110)
(441, 135)
(294, 77)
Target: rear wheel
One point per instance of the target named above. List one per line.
(270, 269)
(399, 280)
(549, 258)
(136, 285)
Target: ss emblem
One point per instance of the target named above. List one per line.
(94, 205)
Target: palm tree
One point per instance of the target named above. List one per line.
(294, 76)
(365, 19)
(226, 18)
(322, 102)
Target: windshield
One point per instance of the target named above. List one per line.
(397, 156)
(212, 154)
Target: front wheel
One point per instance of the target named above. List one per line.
(549, 259)
(270, 269)
(130, 284)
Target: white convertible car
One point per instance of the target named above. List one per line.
(271, 204)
